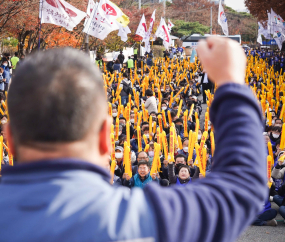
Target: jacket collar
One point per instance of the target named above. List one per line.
(55, 165)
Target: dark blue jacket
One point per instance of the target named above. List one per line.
(69, 200)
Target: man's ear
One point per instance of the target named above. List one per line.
(104, 137)
(10, 139)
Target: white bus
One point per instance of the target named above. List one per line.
(192, 40)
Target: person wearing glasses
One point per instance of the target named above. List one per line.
(142, 177)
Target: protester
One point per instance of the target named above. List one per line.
(142, 178)
(65, 160)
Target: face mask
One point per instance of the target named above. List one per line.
(275, 136)
(133, 157)
(114, 114)
(147, 135)
(132, 120)
(151, 153)
(196, 79)
(162, 90)
(164, 108)
(273, 122)
(199, 136)
(119, 155)
(5, 64)
(185, 149)
(120, 132)
(3, 121)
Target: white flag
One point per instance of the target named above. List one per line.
(222, 19)
(163, 33)
(114, 13)
(90, 7)
(276, 19)
(141, 30)
(170, 25)
(279, 39)
(98, 25)
(123, 33)
(152, 19)
(259, 39)
(59, 12)
(262, 31)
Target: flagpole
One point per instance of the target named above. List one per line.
(87, 35)
(87, 43)
(40, 24)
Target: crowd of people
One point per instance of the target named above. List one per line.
(161, 129)
(152, 95)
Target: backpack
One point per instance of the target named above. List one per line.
(127, 87)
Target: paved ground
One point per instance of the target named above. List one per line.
(265, 233)
(257, 233)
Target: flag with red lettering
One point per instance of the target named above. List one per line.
(141, 30)
(104, 19)
(170, 25)
(61, 13)
(163, 33)
(147, 36)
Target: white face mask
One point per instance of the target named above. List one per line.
(199, 136)
(133, 157)
(151, 153)
(147, 135)
(3, 121)
(119, 155)
(164, 108)
(132, 120)
(114, 114)
(275, 136)
(5, 64)
(273, 122)
(162, 90)
(185, 149)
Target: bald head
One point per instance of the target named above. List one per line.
(56, 96)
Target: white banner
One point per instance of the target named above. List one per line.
(61, 13)
(90, 7)
(163, 33)
(141, 30)
(147, 36)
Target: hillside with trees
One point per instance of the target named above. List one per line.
(19, 24)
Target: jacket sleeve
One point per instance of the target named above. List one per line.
(220, 206)
(278, 173)
(129, 183)
(171, 173)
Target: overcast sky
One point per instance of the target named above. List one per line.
(235, 4)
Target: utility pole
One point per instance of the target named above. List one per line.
(87, 43)
(211, 21)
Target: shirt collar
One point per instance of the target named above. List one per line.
(61, 164)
